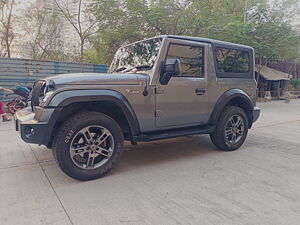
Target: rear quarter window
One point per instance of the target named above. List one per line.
(233, 63)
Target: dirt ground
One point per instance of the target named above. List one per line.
(179, 181)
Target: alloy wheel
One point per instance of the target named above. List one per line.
(234, 129)
(92, 147)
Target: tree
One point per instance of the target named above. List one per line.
(143, 18)
(272, 35)
(7, 34)
(43, 26)
(118, 26)
(78, 16)
(253, 22)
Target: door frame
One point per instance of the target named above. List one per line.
(158, 86)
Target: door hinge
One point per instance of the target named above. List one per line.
(157, 113)
(159, 90)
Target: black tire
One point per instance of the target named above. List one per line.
(69, 130)
(219, 138)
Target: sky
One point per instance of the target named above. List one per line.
(21, 4)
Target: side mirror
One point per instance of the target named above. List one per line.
(171, 68)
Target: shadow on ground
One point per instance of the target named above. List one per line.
(161, 152)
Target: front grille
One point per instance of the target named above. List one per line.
(38, 91)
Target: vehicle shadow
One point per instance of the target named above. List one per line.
(146, 156)
(165, 151)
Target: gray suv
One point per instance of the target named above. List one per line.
(159, 88)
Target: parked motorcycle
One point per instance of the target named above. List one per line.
(19, 102)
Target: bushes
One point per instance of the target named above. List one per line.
(296, 83)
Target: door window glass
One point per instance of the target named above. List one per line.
(191, 59)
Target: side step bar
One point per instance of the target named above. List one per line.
(166, 134)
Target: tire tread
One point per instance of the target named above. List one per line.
(217, 137)
(67, 126)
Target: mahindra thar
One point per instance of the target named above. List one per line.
(159, 88)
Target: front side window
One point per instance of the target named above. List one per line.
(141, 55)
(191, 59)
(232, 60)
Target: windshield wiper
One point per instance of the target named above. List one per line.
(143, 67)
(120, 69)
(125, 69)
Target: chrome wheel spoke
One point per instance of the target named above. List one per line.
(228, 132)
(78, 151)
(233, 138)
(90, 160)
(239, 131)
(103, 137)
(238, 122)
(87, 135)
(105, 152)
(234, 129)
(91, 147)
(232, 122)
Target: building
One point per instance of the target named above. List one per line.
(271, 82)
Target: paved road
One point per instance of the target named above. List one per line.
(179, 181)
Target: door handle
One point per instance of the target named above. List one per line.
(200, 91)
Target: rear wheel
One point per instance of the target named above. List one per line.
(88, 145)
(231, 130)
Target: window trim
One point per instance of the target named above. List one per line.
(246, 75)
(194, 45)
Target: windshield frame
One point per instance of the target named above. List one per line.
(148, 71)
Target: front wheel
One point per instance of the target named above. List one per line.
(88, 145)
(231, 130)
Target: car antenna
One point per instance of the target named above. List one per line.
(146, 92)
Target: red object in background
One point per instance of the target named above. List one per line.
(2, 110)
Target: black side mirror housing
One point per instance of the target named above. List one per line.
(171, 68)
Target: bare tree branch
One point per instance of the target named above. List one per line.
(79, 13)
(67, 16)
(78, 24)
(6, 30)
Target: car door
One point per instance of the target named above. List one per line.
(183, 101)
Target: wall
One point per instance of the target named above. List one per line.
(24, 72)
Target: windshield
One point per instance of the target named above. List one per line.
(141, 56)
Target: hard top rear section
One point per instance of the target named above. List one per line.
(219, 46)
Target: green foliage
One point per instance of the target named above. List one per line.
(251, 22)
(296, 83)
(272, 36)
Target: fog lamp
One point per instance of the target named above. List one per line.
(29, 132)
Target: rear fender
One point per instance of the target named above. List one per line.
(229, 97)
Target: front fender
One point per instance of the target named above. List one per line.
(67, 97)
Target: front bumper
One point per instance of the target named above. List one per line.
(32, 130)
(256, 113)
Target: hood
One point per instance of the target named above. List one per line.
(98, 79)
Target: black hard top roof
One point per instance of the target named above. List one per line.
(211, 41)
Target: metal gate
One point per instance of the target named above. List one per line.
(23, 72)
